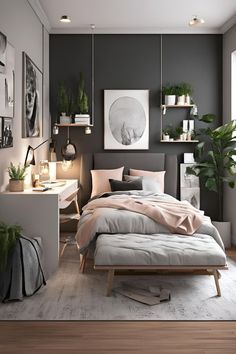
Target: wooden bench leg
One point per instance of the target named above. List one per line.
(217, 275)
(83, 262)
(110, 277)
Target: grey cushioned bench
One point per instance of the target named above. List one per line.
(162, 251)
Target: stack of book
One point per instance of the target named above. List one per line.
(82, 119)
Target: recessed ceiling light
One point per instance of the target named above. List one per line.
(65, 19)
(196, 21)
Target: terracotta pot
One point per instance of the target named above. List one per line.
(16, 185)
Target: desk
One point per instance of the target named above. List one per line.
(38, 214)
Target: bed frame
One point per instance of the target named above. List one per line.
(142, 161)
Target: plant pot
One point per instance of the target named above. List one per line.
(224, 229)
(16, 185)
(181, 100)
(64, 119)
(187, 100)
(166, 137)
(170, 100)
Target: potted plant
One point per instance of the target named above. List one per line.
(63, 104)
(82, 103)
(179, 133)
(169, 93)
(215, 166)
(17, 176)
(8, 237)
(168, 133)
(187, 92)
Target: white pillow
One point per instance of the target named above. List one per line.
(148, 183)
(159, 176)
(100, 180)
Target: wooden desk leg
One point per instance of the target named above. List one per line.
(110, 278)
(216, 274)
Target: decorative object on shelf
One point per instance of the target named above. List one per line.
(189, 157)
(189, 186)
(169, 93)
(7, 77)
(216, 166)
(17, 175)
(32, 98)
(44, 171)
(185, 91)
(126, 122)
(63, 104)
(6, 132)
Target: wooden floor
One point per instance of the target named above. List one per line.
(164, 337)
(118, 337)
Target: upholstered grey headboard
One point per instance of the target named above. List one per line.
(142, 161)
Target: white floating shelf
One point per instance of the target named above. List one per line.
(180, 141)
(74, 125)
(177, 106)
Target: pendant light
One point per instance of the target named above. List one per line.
(68, 151)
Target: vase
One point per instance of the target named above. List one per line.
(170, 100)
(181, 100)
(16, 185)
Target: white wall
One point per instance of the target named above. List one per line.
(229, 46)
(25, 32)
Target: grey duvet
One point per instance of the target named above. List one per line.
(118, 221)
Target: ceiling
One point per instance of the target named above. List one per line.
(137, 16)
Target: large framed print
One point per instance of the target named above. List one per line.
(32, 99)
(189, 186)
(7, 77)
(126, 119)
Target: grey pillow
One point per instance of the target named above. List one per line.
(126, 185)
(148, 183)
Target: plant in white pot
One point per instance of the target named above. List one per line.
(186, 91)
(169, 93)
(17, 177)
(63, 104)
(215, 165)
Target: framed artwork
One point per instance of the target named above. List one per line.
(189, 186)
(32, 99)
(7, 77)
(126, 119)
(6, 135)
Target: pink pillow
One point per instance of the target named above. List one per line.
(100, 180)
(158, 176)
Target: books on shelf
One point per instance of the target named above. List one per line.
(83, 119)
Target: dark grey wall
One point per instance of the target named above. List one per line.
(133, 62)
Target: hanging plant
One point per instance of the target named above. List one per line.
(8, 237)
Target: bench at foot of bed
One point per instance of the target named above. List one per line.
(159, 252)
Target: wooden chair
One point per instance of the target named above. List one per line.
(64, 218)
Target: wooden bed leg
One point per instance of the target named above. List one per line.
(83, 262)
(110, 277)
(216, 274)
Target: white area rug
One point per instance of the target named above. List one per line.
(70, 295)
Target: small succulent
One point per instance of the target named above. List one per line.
(17, 172)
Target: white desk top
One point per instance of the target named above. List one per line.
(68, 183)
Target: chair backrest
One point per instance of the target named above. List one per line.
(71, 198)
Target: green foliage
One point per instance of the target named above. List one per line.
(16, 172)
(168, 90)
(82, 100)
(178, 131)
(8, 237)
(63, 99)
(215, 162)
(169, 131)
(184, 89)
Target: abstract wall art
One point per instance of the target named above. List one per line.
(126, 119)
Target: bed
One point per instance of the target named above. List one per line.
(127, 238)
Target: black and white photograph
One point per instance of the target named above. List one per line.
(187, 181)
(1, 123)
(3, 51)
(32, 99)
(7, 77)
(7, 132)
(192, 195)
(126, 114)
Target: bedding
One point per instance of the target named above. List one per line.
(159, 176)
(148, 183)
(127, 212)
(100, 179)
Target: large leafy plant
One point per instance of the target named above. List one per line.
(8, 237)
(215, 158)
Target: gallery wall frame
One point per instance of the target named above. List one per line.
(126, 119)
(32, 115)
(6, 132)
(7, 78)
(189, 186)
